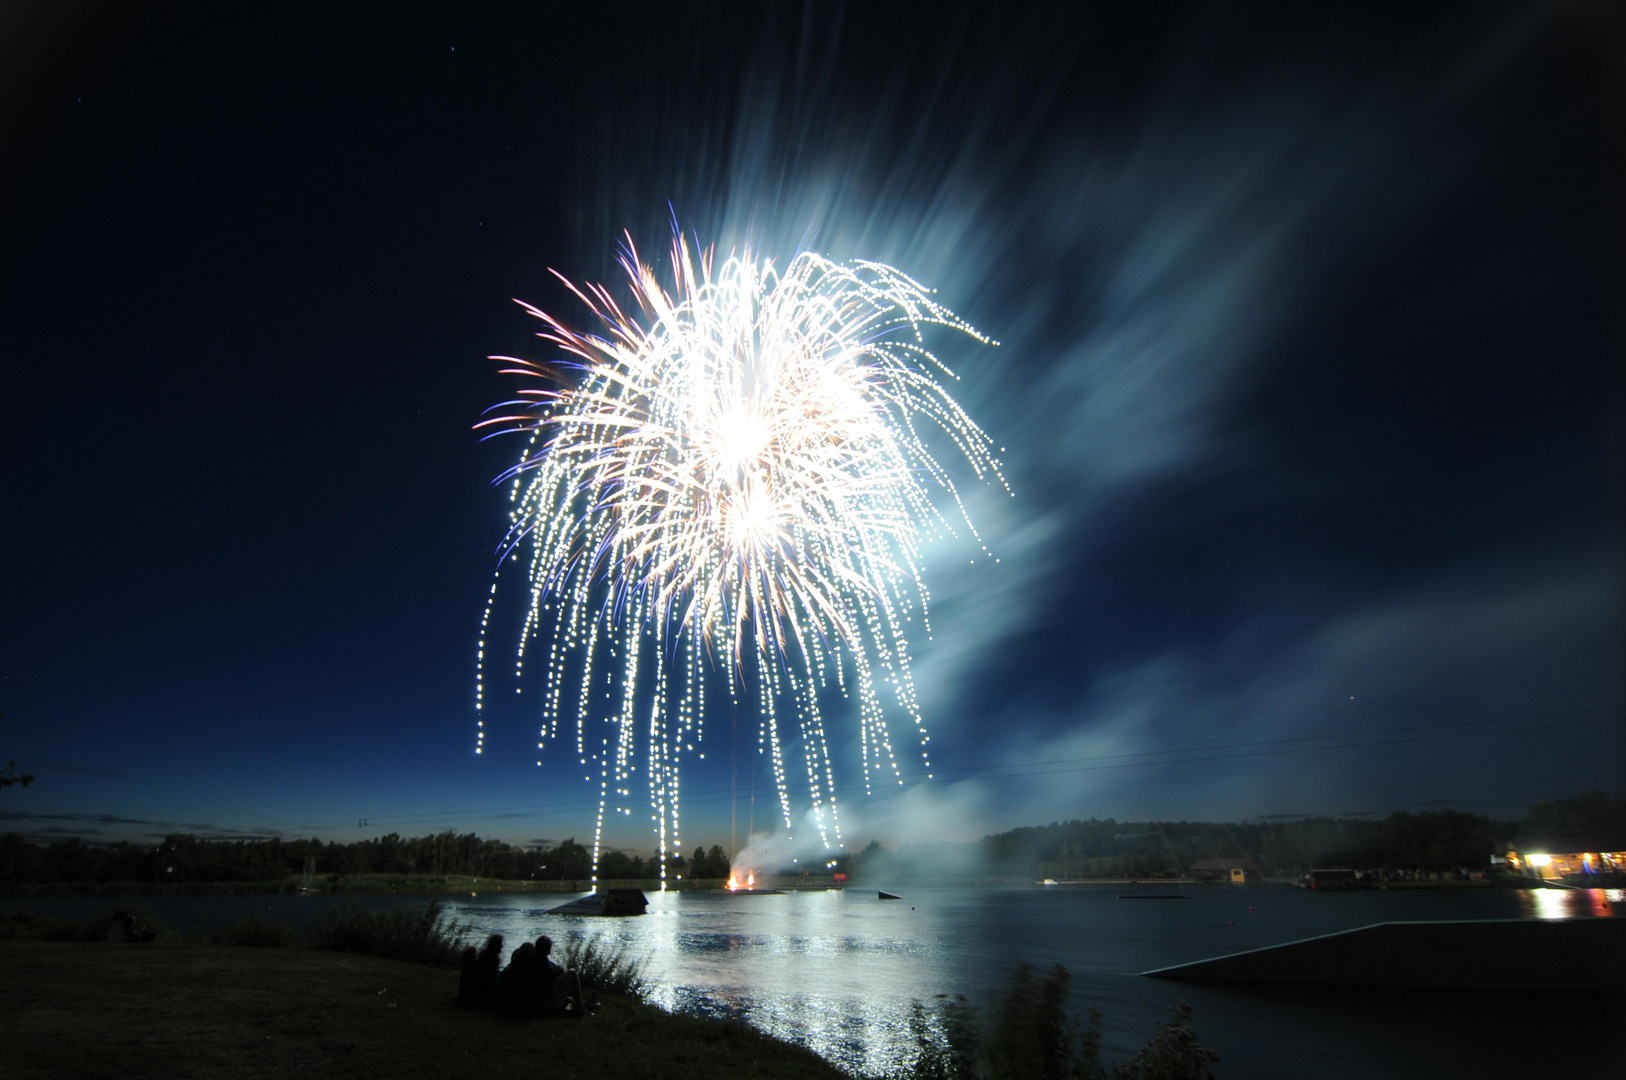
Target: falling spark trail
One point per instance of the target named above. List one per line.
(737, 472)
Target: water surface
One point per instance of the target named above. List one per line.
(838, 971)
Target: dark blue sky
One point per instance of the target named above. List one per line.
(1309, 379)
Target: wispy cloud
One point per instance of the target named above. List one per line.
(127, 828)
(1475, 645)
(76, 770)
(103, 819)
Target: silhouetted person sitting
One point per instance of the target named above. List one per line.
(123, 928)
(559, 991)
(478, 986)
(465, 980)
(517, 987)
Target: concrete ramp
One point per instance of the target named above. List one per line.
(1481, 954)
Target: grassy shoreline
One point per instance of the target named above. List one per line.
(357, 885)
(173, 1011)
(441, 885)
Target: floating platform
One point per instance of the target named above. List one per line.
(884, 895)
(1154, 896)
(613, 902)
(749, 892)
(1477, 954)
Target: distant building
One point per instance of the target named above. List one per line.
(1234, 870)
(1557, 857)
(1334, 878)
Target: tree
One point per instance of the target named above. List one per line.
(568, 860)
(699, 864)
(1595, 814)
(707, 864)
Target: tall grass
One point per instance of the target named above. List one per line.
(424, 935)
(606, 969)
(1028, 1035)
(32, 926)
(255, 931)
(23, 925)
(1173, 1054)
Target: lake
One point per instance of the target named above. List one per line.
(837, 971)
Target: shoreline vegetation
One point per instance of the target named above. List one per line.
(408, 885)
(185, 1010)
(374, 994)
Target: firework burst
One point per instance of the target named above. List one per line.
(736, 475)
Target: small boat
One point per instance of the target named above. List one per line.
(749, 892)
(1153, 896)
(609, 902)
(884, 895)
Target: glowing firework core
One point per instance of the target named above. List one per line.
(742, 474)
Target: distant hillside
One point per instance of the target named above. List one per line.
(1432, 840)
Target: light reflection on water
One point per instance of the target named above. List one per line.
(1571, 903)
(838, 971)
(831, 970)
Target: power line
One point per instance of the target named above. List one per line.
(1104, 762)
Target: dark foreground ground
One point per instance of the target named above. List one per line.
(81, 1010)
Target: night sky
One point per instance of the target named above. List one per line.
(1309, 380)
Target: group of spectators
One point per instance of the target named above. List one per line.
(531, 985)
(124, 928)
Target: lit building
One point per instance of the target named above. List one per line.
(1559, 857)
(1236, 871)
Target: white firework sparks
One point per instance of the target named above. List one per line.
(738, 477)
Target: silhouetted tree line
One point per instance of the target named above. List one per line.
(1594, 816)
(704, 864)
(1432, 840)
(1435, 840)
(187, 858)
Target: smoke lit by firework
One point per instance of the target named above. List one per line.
(735, 478)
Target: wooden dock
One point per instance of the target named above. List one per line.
(1480, 954)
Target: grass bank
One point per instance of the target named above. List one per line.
(177, 1011)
